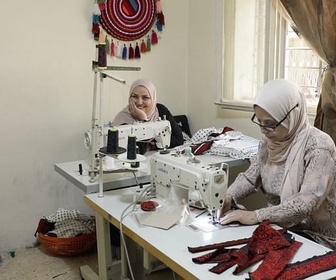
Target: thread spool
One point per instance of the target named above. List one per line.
(136, 164)
(109, 163)
(131, 147)
(102, 61)
(112, 140)
(102, 58)
(187, 151)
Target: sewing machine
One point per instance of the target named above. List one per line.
(159, 130)
(206, 174)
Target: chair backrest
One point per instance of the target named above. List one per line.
(182, 121)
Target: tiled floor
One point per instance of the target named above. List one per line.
(35, 263)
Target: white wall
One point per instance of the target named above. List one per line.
(46, 98)
(46, 89)
(203, 74)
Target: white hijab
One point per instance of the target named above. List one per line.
(278, 97)
(125, 117)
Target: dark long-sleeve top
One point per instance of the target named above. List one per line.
(176, 138)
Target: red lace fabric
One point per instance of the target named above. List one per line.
(309, 267)
(275, 248)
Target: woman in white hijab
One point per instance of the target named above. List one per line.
(142, 106)
(295, 168)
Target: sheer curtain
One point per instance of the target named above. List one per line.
(315, 22)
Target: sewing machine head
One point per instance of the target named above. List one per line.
(159, 130)
(208, 175)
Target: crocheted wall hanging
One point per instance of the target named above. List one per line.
(131, 26)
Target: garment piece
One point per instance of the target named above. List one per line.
(264, 239)
(222, 266)
(312, 209)
(219, 255)
(309, 267)
(71, 223)
(218, 245)
(275, 262)
(44, 226)
(223, 244)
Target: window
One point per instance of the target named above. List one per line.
(258, 45)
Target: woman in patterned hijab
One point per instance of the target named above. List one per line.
(295, 168)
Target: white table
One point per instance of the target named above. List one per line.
(170, 246)
(112, 181)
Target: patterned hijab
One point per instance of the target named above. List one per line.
(277, 98)
(125, 117)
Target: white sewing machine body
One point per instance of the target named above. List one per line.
(208, 175)
(159, 130)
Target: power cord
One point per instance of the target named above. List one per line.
(123, 216)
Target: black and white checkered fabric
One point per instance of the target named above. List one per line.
(71, 223)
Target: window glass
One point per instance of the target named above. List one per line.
(260, 46)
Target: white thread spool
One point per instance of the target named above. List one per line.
(109, 163)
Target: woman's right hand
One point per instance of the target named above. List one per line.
(226, 206)
(136, 112)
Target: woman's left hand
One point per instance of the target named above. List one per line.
(242, 216)
(136, 112)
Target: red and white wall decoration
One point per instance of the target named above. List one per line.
(131, 27)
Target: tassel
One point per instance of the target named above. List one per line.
(130, 52)
(158, 6)
(119, 50)
(137, 51)
(95, 18)
(154, 38)
(158, 25)
(161, 18)
(143, 47)
(96, 9)
(124, 52)
(96, 31)
(112, 48)
(148, 44)
(101, 6)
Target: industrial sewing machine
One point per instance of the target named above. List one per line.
(206, 174)
(160, 131)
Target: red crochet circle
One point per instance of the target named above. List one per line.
(128, 20)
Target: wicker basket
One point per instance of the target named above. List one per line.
(70, 246)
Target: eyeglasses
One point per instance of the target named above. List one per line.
(272, 128)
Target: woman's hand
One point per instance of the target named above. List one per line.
(242, 216)
(226, 206)
(136, 112)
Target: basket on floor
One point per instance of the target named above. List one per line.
(68, 246)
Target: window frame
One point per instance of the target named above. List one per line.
(274, 57)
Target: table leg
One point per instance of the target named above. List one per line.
(105, 265)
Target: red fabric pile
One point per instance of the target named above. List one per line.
(200, 149)
(275, 248)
